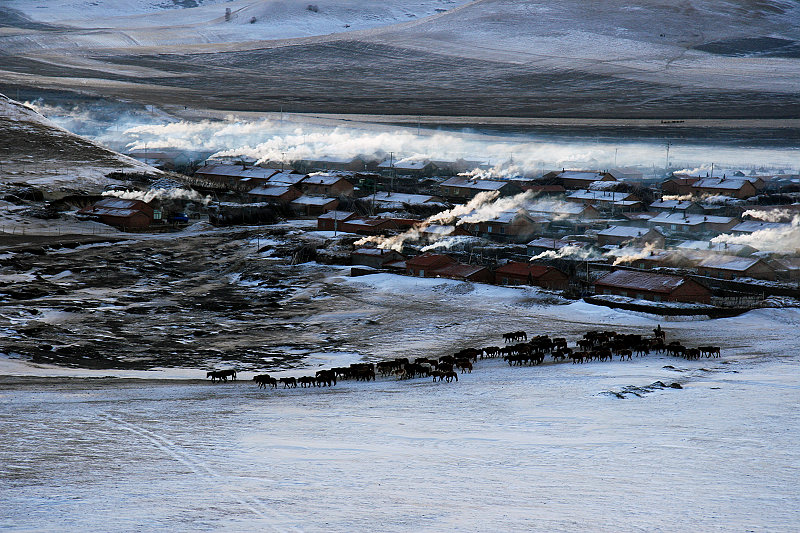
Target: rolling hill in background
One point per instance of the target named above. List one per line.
(34, 151)
(565, 58)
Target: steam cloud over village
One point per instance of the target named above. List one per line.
(426, 265)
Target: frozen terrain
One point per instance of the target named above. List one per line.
(35, 151)
(548, 448)
(486, 57)
(107, 422)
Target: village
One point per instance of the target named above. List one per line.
(714, 244)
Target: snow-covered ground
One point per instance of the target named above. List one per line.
(144, 22)
(504, 449)
(36, 151)
(546, 448)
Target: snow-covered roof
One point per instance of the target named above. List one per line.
(749, 226)
(403, 198)
(286, 177)
(645, 281)
(581, 175)
(112, 202)
(506, 217)
(689, 220)
(623, 231)
(606, 196)
(558, 208)
(726, 262)
(403, 165)
(313, 200)
(376, 252)
(458, 270)
(336, 215)
(552, 244)
(483, 185)
(113, 212)
(733, 184)
(236, 171)
(721, 247)
(678, 205)
(323, 179)
(270, 190)
(438, 229)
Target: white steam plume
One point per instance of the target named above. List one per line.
(779, 240)
(570, 251)
(489, 210)
(677, 197)
(298, 137)
(161, 194)
(480, 201)
(448, 243)
(630, 254)
(774, 215)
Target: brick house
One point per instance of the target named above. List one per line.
(327, 185)
(119, 212)
(464, 272)
(462, 189)
(618, 235)
(332, 220)
(425, 265)
(652, 286)
(272, 193)
(517, 273)
(729, 267)
(375, 257)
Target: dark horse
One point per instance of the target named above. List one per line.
(221, 375)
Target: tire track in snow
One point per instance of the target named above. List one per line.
(174, 450)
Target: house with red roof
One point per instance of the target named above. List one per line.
(426, 264)
(464, 272)
(652, 286)
(518, 273)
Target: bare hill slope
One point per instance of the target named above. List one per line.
(35, 151)
(652, 58)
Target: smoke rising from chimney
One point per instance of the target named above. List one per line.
(161, 194)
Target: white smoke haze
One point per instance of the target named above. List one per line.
(448, 243)
(602, 185)
(778, 240)
(161, 194)
(305, 138)
(567, 252)
(630, 254)
(489, 210)
(774, 215)
(484, 206)
(451, 215)
(504, 171)
(394, 242)
(677, 197)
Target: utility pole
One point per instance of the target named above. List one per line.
(283, 159)
(666, 167)
(615, 157)
(391, 170)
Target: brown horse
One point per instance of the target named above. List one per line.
(289, 383)
(264, 379)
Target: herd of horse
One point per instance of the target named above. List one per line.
(592, 346)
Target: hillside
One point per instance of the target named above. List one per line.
(36, 152)
(654, 58)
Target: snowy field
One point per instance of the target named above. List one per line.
(548, 448)
(710, 59)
